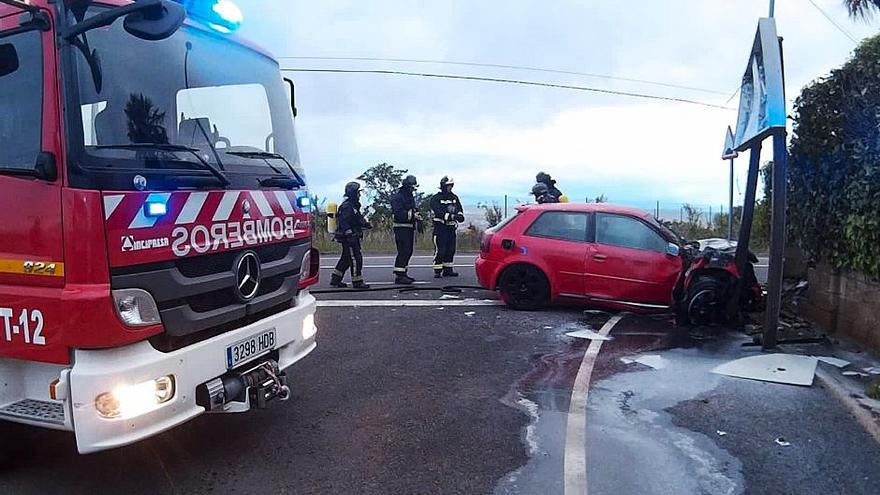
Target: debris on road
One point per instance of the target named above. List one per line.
(778, 368)
(874, 370)
(873, 404)
(449, 296)
(855, 373)
(651, 361)
(470, 313)
(548, 327)
(721, 433)
(833, 361)
(783, 442)
(587, 334)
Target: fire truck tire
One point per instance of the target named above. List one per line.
(524, 287)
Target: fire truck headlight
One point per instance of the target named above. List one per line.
(128, 401)
(309, 328)
(136, 307)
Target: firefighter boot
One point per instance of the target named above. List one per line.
(403, 279)
(360, 285)
(438, 273)
(336, 281)
(449, 272)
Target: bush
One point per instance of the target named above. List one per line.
(834, 174)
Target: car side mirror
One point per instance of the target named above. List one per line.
(672, 249)
(45, 167)
(8, 59)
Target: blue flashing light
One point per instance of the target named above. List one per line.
(304, 202)
(222, 15)
(155, 209)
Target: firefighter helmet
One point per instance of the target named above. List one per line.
(543, 178)
(352, 189)
(410, 182)
(446, 181)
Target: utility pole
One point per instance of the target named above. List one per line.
(505, 206)
(772, 8)
(730, 206)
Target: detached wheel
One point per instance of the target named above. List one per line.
(524, 287)
(705, 301)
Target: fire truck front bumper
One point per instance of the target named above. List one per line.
(123, 395)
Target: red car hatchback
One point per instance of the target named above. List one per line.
(606, 255)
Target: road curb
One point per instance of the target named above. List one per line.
(845, 396)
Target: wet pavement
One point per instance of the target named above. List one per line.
(450, 398)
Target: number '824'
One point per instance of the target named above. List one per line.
(39, 268)
(28, 327)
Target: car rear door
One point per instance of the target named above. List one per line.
(628, 263)
(557, 241)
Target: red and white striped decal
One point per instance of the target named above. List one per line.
(134, 237)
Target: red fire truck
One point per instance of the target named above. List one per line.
(155, 242)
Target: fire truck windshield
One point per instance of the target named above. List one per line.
(196, 89)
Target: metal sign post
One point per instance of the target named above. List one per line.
(762, 114)
(729, 153)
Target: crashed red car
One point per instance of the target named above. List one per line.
(605, 255)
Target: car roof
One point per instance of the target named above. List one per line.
(589, 208)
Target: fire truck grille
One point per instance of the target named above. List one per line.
(197, 298)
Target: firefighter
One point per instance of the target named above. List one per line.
(349, 231)
(544, 178)
(407, 220)
(542, 194)
(448, 213)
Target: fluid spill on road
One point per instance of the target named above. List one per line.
(632, 444)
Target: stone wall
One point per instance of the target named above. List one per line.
(845, 303)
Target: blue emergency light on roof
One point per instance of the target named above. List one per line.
(304, 202)
(155, 209)
(223, 15)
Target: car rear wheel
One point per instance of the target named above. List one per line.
(524, 287)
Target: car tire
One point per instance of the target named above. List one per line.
(524, 287)
(705, 301)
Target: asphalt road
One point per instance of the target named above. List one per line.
(411, 393)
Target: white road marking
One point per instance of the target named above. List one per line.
(366, 303)
(576, 428)
(417, 282)
(330, 267)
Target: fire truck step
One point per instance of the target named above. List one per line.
(35, 410)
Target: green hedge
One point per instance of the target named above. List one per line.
(834, 174)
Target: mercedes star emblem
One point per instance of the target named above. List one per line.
(246, 206)
(247, 275)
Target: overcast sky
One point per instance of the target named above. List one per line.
(492, 137)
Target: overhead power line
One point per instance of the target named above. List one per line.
(505, 66)
(513, 81)
(834, 23)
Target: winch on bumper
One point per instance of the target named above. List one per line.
(123, 395)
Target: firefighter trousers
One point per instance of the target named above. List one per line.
(405, 239)
(444, 247)
(352, 259)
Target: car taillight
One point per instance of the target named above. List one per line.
(310, 269)
(486, 242)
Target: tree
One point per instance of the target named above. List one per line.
(492, 212)
(381, 182)
(862, 8)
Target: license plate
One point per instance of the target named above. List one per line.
(251, 347)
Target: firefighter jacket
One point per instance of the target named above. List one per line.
(447, 209)
(403, 208)
(553, 191)
(350, 223)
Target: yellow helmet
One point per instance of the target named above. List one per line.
(563, 199)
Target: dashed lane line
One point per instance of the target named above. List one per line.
(575, 469)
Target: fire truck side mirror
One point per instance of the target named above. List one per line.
(8, 59)
(292, 95)
(46, 167)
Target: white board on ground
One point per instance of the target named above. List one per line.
(651, 361)
(587, 334)
(790, 369)
(833, 361)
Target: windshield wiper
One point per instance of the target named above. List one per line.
(170, 147)
(265, 155)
